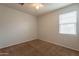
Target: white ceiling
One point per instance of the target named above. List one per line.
(29, 9)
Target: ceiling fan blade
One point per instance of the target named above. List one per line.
(21, 4)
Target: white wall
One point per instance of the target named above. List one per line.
(16, 27)
(49, 27)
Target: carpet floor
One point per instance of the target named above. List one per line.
(37, 48)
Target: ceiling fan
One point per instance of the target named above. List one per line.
(37, 6)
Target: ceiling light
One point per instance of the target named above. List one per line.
(37, 6)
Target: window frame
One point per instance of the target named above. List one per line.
(60, 24)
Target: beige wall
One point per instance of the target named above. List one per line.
(49, 28)
(16, 27)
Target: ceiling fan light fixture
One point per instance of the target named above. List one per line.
(37, 6)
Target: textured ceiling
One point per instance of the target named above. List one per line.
(27, 7)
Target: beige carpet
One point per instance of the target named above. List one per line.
(37, 48)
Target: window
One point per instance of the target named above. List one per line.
(67, 23)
